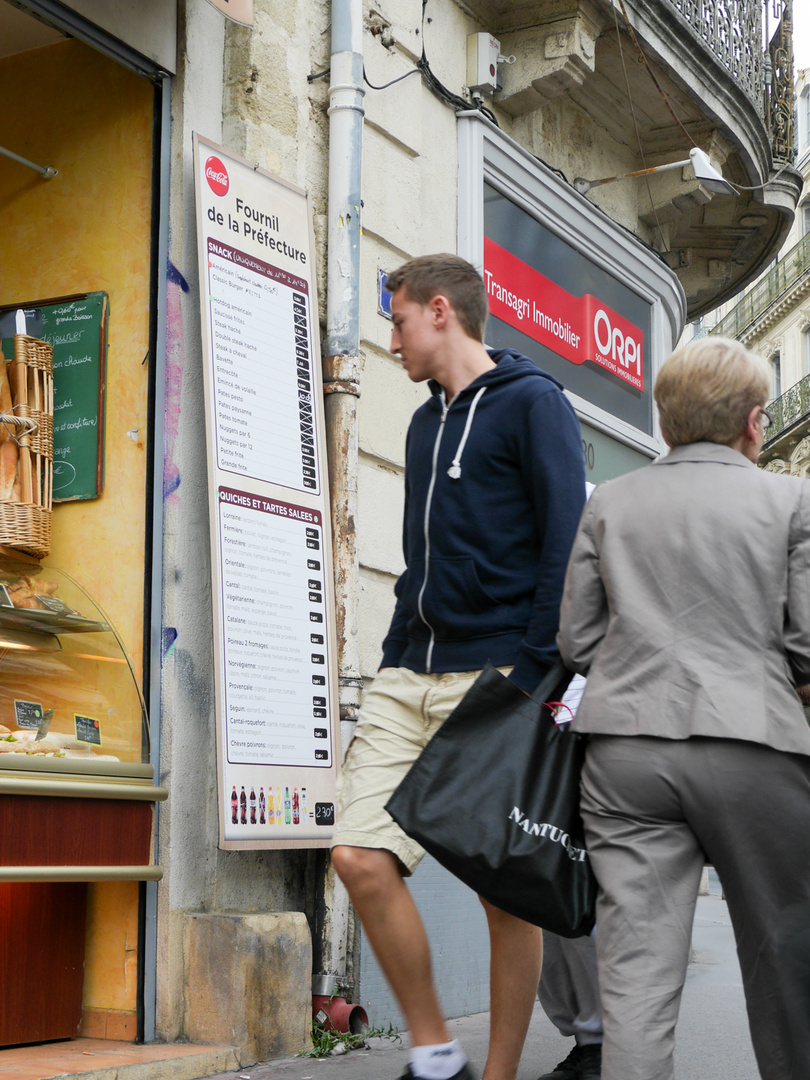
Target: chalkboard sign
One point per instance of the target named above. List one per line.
(28, 714)
(88, 729)
(76, 327)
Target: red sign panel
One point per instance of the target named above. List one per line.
(578, 328)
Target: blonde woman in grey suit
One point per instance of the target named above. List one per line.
(687, 604)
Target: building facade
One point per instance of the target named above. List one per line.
(456, 125)
(772, 317)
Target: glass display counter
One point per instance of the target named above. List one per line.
(73, 727)
(67, 691)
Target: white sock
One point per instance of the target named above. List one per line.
(438, 1062)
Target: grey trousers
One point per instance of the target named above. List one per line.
(569, 987)
(652, 808)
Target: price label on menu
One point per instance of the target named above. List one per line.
(262, 355)
(274, 627)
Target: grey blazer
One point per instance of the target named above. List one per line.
(687, 601)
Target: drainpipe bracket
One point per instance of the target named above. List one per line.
(341, 386)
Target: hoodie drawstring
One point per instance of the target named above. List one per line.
(454, 472)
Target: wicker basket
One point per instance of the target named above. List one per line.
(26, 525)
(26, 528)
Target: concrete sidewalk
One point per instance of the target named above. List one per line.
(712, 1037)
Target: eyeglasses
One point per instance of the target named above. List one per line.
(766, 419)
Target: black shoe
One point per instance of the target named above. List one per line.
(583, 1063)
(464, 1073)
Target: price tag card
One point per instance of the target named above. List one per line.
(88, 730)
(54, 604)
(28, 714)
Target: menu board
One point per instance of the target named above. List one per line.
(262, 400)
(272, 572)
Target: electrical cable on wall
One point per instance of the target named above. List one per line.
(690, 141)
(758, 187)
(664, 244)
(385, 86)
(455, 101)
(552, 168)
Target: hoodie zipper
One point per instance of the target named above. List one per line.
(426, 523)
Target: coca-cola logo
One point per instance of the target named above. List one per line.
(217, 176)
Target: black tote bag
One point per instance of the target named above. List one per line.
(494, 797)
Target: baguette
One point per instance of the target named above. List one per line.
(9, 456)
(5, 399)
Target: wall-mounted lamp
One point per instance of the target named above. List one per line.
(704, 171)
(46, 171)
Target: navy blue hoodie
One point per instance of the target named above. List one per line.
(494, 489)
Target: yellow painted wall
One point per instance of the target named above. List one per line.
(88, 229)
(68, 106)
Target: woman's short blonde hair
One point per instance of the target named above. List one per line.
(706, 390)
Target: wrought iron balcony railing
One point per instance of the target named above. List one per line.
(779, 279)
(791, 406)
(732, 31)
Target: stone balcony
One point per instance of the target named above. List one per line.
(787, 443)
(706, 57)
(778, 292)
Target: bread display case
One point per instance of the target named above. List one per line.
(67, 692)
(73, 726)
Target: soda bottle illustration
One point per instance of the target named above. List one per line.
(252, 806)
(262, 806)
(271, 819)
(243, 807)
(278, 806)
(296, 817)
(234, 806)
(286, 806)
(303, 804)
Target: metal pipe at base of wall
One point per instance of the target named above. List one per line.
(336, 1014)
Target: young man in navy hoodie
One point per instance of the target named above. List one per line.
(494, 488)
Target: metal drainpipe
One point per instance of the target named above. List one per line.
(341, 376)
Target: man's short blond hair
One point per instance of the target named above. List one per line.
(706, 390)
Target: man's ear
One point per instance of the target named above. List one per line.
(440, 308)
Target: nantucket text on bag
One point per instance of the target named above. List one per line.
(544, 830)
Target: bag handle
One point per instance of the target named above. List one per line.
(553, 684)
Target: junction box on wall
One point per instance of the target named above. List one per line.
(483, 51)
